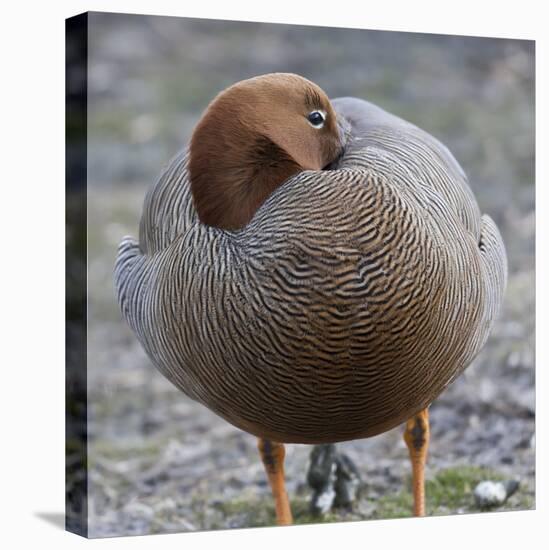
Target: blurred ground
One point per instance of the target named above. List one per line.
(160, 462)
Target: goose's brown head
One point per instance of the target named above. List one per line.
(254, 136)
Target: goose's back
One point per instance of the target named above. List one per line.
(348, 303)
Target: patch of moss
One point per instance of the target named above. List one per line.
(453, 488)
(449, 492)
(397, 505)
(261, 513)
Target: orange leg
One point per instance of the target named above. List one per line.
(272, 455)
(416, 437)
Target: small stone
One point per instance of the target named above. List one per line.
(511, 487)
(138, 510)
(489, 494)
(166, 506)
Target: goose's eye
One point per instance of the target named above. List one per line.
(316, 119)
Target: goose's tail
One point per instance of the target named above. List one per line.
(129, 278)
(494, 258)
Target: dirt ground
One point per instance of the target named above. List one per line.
(160, 462)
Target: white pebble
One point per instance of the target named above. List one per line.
(490, 493)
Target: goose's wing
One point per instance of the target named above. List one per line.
(423, 156)
(168, 210)
(401, 151)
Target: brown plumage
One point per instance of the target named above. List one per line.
(346, 301)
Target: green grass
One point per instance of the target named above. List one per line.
(449, 492)
(261, 513)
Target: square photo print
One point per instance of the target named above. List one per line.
(300, 274)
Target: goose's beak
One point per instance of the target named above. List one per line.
(344, 129)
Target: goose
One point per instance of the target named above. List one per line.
(312, 271)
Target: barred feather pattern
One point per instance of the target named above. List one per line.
(347, 304)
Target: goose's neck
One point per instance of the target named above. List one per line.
(229, 189)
